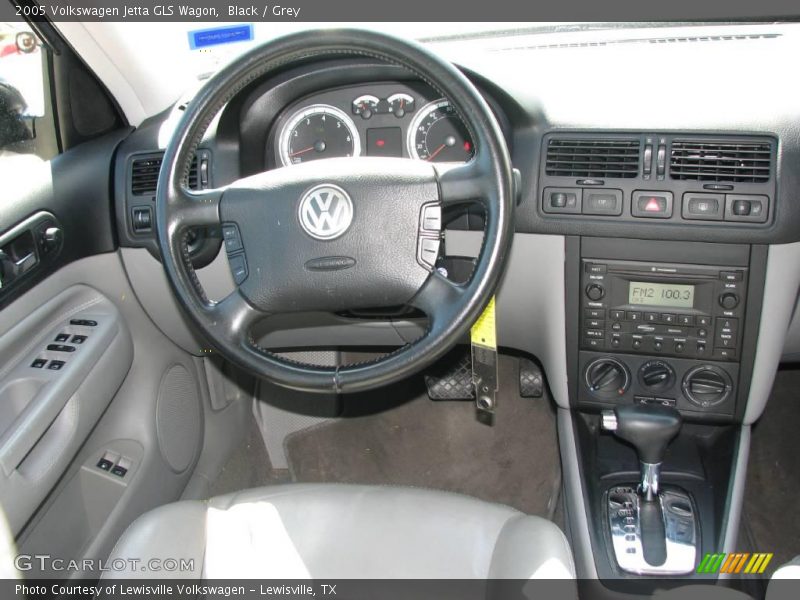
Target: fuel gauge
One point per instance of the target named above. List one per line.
(366, 106)
(400, 104)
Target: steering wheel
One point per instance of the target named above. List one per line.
(337, 234)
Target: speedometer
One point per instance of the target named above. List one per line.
(438, 134)
(315, 132)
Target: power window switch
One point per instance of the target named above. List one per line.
(56, 365)
(78, 339)
(39, 363)
(61, 337)
(105, 464)
(121, 468)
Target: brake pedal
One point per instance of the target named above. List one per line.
(452, 382)
(531, 380)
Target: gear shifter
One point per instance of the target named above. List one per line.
(649, 429)
(649, 525)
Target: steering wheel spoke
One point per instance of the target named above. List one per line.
(190, 208)
(438, 298)
(462, 183)
(232, 318)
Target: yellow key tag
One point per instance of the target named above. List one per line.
(483, 337)
(484, 331)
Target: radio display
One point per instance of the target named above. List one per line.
(661, 294)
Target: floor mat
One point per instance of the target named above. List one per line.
(439, 445)
(771, 514)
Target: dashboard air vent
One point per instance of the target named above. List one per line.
(736, 162)
(606, 157)
(144, 175)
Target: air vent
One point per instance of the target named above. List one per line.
(144, 175)
(608, 158)
(736, 162)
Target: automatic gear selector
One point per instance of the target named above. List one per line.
(653, 531)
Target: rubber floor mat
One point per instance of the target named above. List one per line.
(414, 441)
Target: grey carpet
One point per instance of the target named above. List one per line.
(248, 467)
(771, 513)
(438, 445)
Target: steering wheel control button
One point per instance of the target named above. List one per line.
(432, 218)
(238, 266)
(563, 200)
(651, 205)
(602, 202)
(703, 207)
(233, 240)
(428, 251)
(325, 212)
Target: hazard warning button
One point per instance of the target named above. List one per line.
(653, 205)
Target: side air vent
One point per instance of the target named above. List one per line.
(736, 162)
(604, 158)
(144, 175)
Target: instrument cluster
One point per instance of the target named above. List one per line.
(384, 119)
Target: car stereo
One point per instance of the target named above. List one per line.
(681, 310)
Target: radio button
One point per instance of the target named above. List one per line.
(595, 269)
(645, 329)
(731, 275)
(616, 341)
(651, 317)
(617, 315)
(725, 353)
(595, 333)
(616, 326)
(729, 326)
(686, 320)
(593, 343)
(658, 345)
(679, 347)
(636, 343)
(667, 318)
(594, 291)
(702, 333)
(704, 321)
(701, 348)
(729, 301)
(595, 323)
(594, 313)
(634, 315)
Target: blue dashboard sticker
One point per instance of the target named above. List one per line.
(203, 38)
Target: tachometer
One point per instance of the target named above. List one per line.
(315, 132)
(438, 134)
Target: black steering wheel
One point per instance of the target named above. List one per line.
(341, 233)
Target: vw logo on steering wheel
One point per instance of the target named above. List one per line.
(325, 212)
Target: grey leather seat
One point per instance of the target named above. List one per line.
(346, 531)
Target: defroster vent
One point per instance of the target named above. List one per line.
(735, 162)
(600, 157)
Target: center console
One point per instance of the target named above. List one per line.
(661, 341)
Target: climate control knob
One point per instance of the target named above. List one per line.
(729, 301)
(595, 292)
(707, 386)
(607, 378)
(656, 375)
